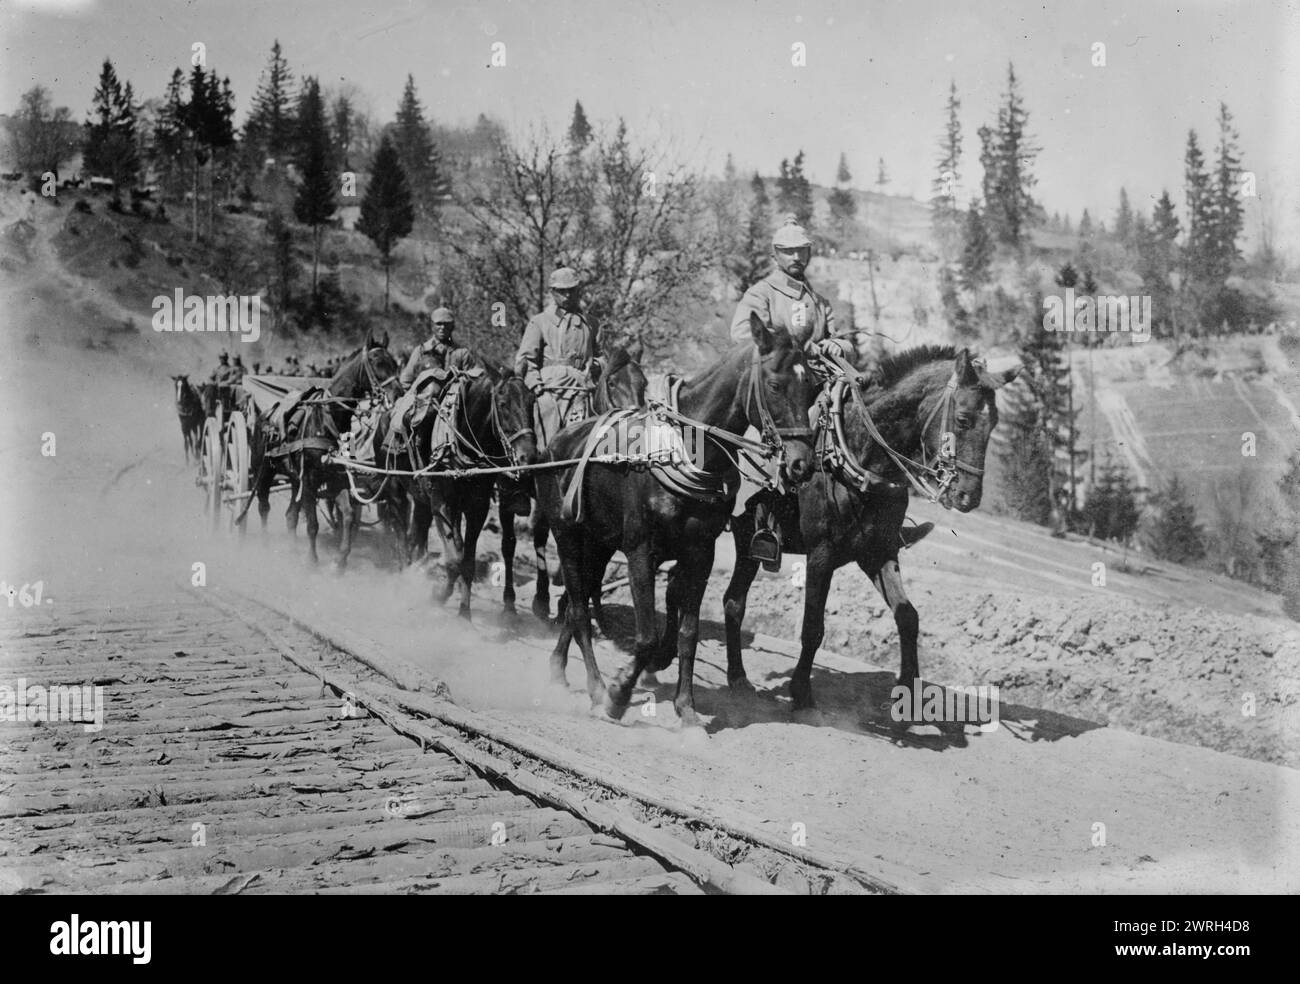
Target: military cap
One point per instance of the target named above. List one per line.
(442, 316)
(564, 279)
(791, 235)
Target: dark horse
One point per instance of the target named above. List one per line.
(313, 431)
(622, 384)
(491, 427)
(628, 509)
(930, 403)
(189, 408)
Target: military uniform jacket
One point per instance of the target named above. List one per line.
(429, 355)
(784, 302)
(554, 339)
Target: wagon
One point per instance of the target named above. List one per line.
(225, 459)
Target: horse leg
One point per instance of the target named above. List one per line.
(295, 495)
(817, 586)
(695, 578)
(641, 577)
(309, 505)
(421, 520)
(577, 621)
(542, 597)
(508, 542)
(452, 549)
(666, 649)
(733, 607)
(888, 580)
(475, 515)
(598, 561)
(349, 511)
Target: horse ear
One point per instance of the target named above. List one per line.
(965, 369)
(762, 335)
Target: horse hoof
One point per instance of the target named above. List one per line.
(741, 687)
(649, 680)
(611, 709)
(542, 610)
(464, 613)
(690, 721)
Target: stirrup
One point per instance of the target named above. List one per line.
(765, 547)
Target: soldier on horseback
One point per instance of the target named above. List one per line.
(435, 352)
(785, 299)
(558, 347)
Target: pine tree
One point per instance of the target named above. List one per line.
(419, 156)
(1124, 220)
(315, 202)
(1086, 231)
(1157, 259)
(579, 128)
(110, 146)
(842, 203)
(1025, 457)
(977, 249)
(1226, 192)
(1046, 354)
(756, 257)
(1111, 511)
(794, 191)
(882, 178)
(387, 214)
(1007, 154)
(279, 252)
(945, 215)
(270, 130)
(1199, 248)
(343, 120)
(1175, 535)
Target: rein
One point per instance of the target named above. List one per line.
(942, 468)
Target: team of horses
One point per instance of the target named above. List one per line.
(927, 404)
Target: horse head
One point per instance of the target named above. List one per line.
(960, 419)
(779, 395)
(512, 408)
(622, 384)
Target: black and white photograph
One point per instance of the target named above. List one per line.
(650, 448)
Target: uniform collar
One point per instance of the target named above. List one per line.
(788, 285)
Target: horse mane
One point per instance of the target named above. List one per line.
(893, 368)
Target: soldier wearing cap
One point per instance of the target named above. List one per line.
(558, 336)
(784, 298)
(434, 353)
(237, 371)
(221, 374)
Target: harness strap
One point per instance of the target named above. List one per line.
(571, 508)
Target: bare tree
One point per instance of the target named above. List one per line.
(632, 224)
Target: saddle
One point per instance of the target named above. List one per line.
(434, 391)
(649, 442)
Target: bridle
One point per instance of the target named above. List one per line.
(772, 435)
(931, 476)
(507, 440)
(377, 386)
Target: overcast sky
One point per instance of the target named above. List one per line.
(716, 75)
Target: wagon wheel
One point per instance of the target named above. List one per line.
(235, 479)
(209, 478)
